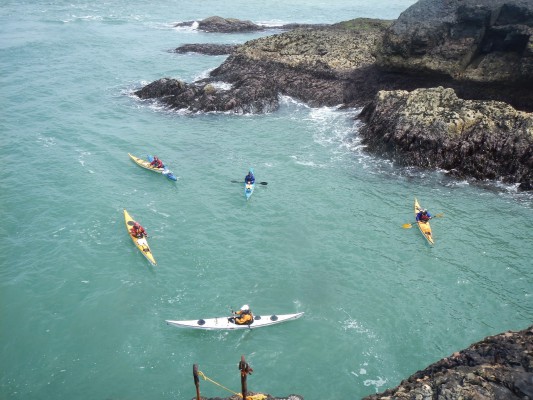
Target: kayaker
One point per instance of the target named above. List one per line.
(423, 216)
(250, 178)
(157, 163)
(138, 231)
(243, 317)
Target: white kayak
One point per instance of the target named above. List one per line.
(224, 323)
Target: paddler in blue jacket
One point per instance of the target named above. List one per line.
(423, 216)
(250, 178)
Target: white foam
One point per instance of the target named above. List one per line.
(222, 85)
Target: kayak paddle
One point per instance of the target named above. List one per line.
(261, 183)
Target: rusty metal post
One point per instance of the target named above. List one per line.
(245, 370)
(196, 380)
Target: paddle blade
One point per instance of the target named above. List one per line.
(263, 183)
(407, 226)
(439, 215)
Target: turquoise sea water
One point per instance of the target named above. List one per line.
(83, 313)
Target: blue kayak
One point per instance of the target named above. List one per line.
(249, 187)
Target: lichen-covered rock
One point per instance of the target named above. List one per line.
(484, 41)
(335, 50)
(497, 368)
(433, 128)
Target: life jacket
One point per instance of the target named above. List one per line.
(138, 232)
(244, 318)
(424, 218)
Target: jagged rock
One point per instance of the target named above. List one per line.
(205, 96)
(488, 41)
(207, 48)
(433, 128)
(499, 367)
(313, 65)
(336, 65)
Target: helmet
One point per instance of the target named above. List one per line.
(424, 211)
(245, 307)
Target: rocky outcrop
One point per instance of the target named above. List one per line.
(313, 65)
(482, 51)
(222, 25)
(433, 128)
(468, 40)
(218, 24)
(497, 368)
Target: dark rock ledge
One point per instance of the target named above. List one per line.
(497, 368)
(483, 51)
(206, 48)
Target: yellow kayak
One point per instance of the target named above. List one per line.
(141, 243)
(146, 164)
(424, 227)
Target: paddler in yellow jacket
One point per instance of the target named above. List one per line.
(243, 317)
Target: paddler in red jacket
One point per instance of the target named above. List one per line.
(423, 216)
(157, 163)
(138, 231)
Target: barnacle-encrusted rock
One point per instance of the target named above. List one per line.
(433, 128)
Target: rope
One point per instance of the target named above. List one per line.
(200, 373)
(258, 396)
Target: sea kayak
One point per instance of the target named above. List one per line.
(424, 227)
(249, 187)
(141, 243)
(146, 164)
(224, 323)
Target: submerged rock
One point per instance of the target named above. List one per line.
(499, 367)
